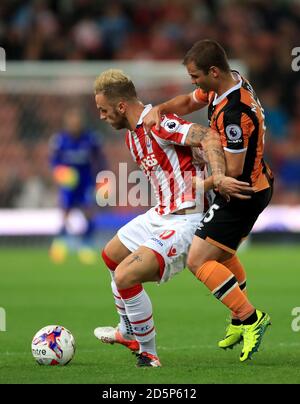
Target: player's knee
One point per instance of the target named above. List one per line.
(121, 279)
(193, 262)
(125, 279)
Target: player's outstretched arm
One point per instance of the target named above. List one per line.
(209, 139)
(180, 105)
(229, 187)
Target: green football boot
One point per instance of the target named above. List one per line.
(234, 335)
(252, 335)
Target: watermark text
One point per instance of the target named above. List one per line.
(296, 60)
(296, 321)
(2, 60)
(133, 188)
(2, 319)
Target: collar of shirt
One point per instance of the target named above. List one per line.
(145, 112)
(236, 76)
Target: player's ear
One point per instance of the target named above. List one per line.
(214, 71)
(121, 107)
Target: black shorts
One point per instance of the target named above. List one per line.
(226, 224)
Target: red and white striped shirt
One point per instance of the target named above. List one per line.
(168, 164)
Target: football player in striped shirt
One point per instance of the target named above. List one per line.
(154, 246)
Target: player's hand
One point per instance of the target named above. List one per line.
(152, 118)
(230, 187)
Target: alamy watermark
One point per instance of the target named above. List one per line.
(2, 319)
(132, 188)
(2, 60)
(296, 60)
(296, 321)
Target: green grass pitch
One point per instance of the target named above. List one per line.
(189, 321)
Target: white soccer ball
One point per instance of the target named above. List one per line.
(53, 345)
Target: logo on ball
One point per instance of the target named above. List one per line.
(53, 345)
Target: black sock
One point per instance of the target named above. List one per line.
(236, 321)
(251, 319)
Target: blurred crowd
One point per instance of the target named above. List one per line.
(261, 33)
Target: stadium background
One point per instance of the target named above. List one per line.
(54, 50)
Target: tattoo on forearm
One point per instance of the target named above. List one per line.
(135, 258)
(217, 161)
(218, 152)
(210, 141)
(196, 135)
(216, 156)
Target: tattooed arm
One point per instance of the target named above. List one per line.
(180, 105)
(209, 139)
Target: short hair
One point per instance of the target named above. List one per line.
(207, 53)
(115, 85)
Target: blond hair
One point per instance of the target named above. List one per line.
(115, 85)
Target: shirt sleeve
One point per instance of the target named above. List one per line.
(173, 129)
(200, 96)
(235, 128)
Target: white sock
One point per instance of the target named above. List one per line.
(139, 312)
(124, 324)
(148, 346)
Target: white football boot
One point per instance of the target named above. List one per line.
(111, 335)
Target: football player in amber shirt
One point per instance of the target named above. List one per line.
(235, 112)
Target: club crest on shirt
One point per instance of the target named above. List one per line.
(148, 144)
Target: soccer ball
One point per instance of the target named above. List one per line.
(53, 345)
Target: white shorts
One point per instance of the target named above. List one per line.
(169, 235)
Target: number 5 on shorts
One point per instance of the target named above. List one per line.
(210, 213)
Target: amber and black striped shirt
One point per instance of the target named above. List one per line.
(238, 117)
